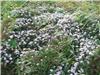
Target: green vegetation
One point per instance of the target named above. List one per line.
(44, 57)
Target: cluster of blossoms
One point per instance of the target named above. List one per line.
(34, 32)
(8, 54)
(81, 41)
(29, 32)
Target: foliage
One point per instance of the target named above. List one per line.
(47, 60)
(50, 38)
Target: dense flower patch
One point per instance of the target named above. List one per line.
(47, 40)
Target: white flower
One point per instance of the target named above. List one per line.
(51, 70)
(7, 61)
(11, 36)
(41, 60)
(10, 58)
(8, 16)
(90, 53)
(37, 64)
(30, 43)
(58, 73)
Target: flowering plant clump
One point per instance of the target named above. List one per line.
(47, 40)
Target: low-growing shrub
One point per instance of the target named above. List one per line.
(45, 39)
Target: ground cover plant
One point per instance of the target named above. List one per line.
(50, 38)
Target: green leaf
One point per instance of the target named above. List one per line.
(13, 43)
